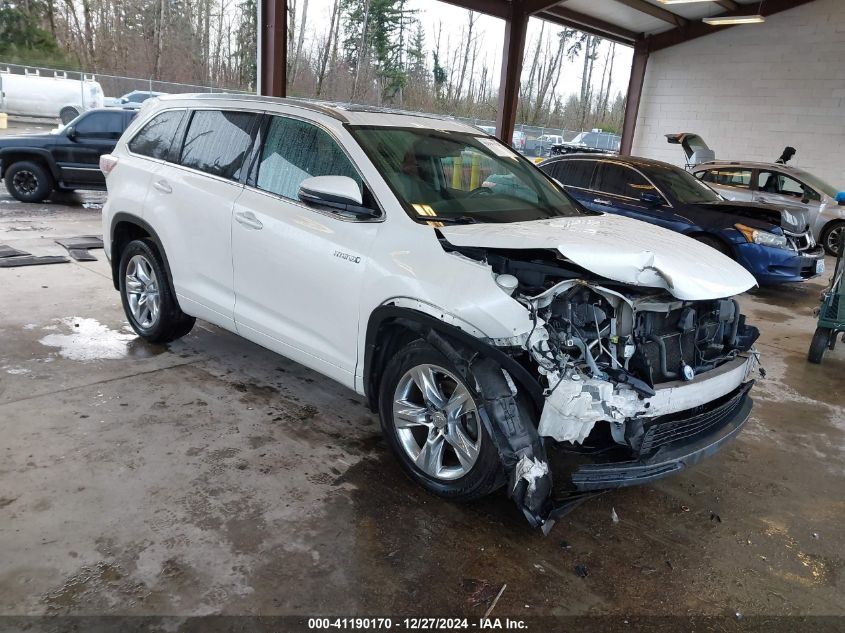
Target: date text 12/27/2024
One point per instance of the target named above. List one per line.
(416, 624)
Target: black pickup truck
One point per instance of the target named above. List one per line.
(66, 159)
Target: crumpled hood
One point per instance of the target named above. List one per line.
(787, 216)
(620, 249)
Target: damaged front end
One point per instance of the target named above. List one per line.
(638, 380)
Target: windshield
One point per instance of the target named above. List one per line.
(816, 183)
(681, 186)
(461, 176)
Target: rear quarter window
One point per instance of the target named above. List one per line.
(156, 137)
(217, 142)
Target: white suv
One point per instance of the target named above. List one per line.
(485, 315)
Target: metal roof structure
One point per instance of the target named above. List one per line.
(646, 25)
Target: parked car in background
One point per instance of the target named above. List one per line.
(481, 322)
(55, 97)
(774, 244)
(518, 141)
(35, 165)
(785, 186)
(488, 129)
(595, 142)
(774, 183)
(542, 145)
(131, 99)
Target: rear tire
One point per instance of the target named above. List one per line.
(831, 234)
(68, 114)
(474, 472)
(714, 243)
(147, 297)
(819, 344)
(28, 181)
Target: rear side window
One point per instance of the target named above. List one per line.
(574, 173)
(619, 180)
(729, 177)
(296, 150)
(100, 125)
(155, 138)
(217, 142)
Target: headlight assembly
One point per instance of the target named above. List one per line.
(764, 238)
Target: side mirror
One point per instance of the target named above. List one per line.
(71, 133)
(652, 199)
(340, 193)
(124, 100)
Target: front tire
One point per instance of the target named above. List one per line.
(148, 299)
(28, 182)
(431, 422)
(830, 237)
(820, 343)
(714, 243)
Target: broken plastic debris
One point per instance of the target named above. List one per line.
(614, 517)
(530, 470)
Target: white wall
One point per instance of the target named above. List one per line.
(751, 90)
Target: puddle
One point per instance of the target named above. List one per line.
(88, 339)
(15, 371)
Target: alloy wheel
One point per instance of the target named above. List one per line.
(142, 291)
(437, 422)
(25, 182)
(833, 237)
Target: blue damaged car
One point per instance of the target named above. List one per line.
(775, 244)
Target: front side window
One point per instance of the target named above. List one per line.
(217, 142)
(100, 125)
(461, 175)
(680, 186)
(731, 177)
(620, 180)
(777, 183)
(296, 150)
(156, 137)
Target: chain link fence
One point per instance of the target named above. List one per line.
(530, 140)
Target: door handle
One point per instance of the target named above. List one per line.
(602, 201)
(163, 186)
(248, 219)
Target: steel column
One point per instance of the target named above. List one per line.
(272, 47)
(514, 50)
(632, 103)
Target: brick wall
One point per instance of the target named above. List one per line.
(751, 90)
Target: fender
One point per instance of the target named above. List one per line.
(134, 219)
(25, 152)
(421, 323)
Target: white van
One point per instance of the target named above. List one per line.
(34, 95)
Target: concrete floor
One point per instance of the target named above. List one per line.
(214, 477)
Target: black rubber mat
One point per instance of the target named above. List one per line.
(78, 246)
(31, 260)
(8, 251)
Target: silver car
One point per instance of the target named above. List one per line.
(781, 185)
(772, 183)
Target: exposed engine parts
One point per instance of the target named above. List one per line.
(628, 356)
(602, 352)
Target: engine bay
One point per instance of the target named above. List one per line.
(602, 348)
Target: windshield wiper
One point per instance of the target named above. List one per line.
(451, 219)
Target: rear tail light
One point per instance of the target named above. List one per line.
(107, 163)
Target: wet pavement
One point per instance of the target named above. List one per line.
(211, 476)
